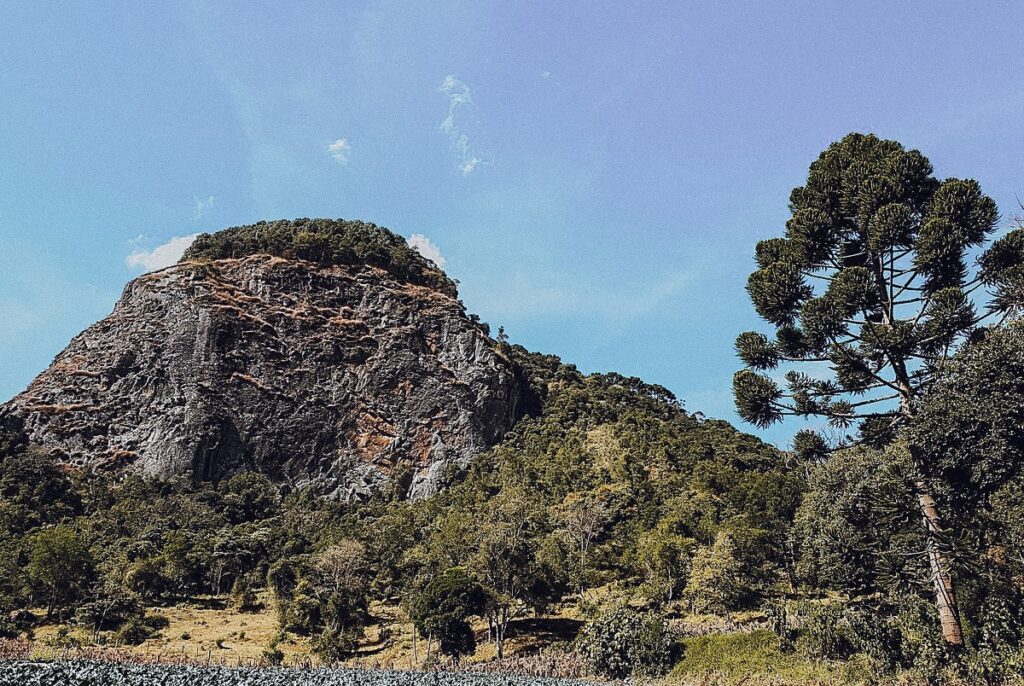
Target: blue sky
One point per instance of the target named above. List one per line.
(595, 178)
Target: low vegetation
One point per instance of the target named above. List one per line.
(326, 242)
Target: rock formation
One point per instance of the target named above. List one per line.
(334, 378)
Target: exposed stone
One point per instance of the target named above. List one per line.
(327, 378)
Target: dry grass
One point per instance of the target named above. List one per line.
(207, 629)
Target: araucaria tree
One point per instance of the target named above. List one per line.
(874, 285)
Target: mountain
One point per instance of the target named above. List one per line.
(325, 354)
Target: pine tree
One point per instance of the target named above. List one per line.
(871, 286)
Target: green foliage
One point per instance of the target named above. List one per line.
(740, 656)
(34, 491)
(326, 596)
(326, 242)
(139, 628)
(243, 595)
(442, 607)
(109, 611)
(623, 641)
(971, 426)
(716, 582)
(855, 520)
(871, 278)
(60, 566)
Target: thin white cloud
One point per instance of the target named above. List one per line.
(424, 246)
(161, 256)
(202, 206)
(340, 150)
(460, 106)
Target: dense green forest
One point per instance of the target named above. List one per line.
(887, 548)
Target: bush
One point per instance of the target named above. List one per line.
(109, 613)
(138, 629)
(333, 647)
(243, 595)
(624, 641)
(827, 632)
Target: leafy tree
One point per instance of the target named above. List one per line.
(664, 558)
(441, 609)
(250, 496)
(857, 519)
(716, 580)
(583, 517)
(60, 566)
(331, 598)
(871, 282)
(34, 491)
(506, 562)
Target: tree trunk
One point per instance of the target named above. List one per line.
(942, 580)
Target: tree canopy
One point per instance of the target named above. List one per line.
(875, 281)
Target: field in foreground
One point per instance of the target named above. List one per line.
(74, 672)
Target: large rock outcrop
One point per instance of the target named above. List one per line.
(333, 378)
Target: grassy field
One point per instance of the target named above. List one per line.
(210, 629)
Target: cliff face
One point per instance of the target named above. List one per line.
(332, 378)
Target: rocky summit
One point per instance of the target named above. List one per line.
(338, 378)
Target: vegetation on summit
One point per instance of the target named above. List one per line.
(326, 242)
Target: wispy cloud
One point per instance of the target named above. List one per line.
(424, 246)
(161, 256)
(202, 206)
(340, 150)
(460, 108)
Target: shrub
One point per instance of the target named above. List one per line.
(827, 632)
(243, 595)
(624, 641)
(334, 646)
(138, 629)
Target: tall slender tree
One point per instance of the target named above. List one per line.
(874, 284)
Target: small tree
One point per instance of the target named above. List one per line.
(60, 566)
(506, 560)
(716, 577)
(338, 584)
(583, 517)
(442, 608)
(871, 285)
